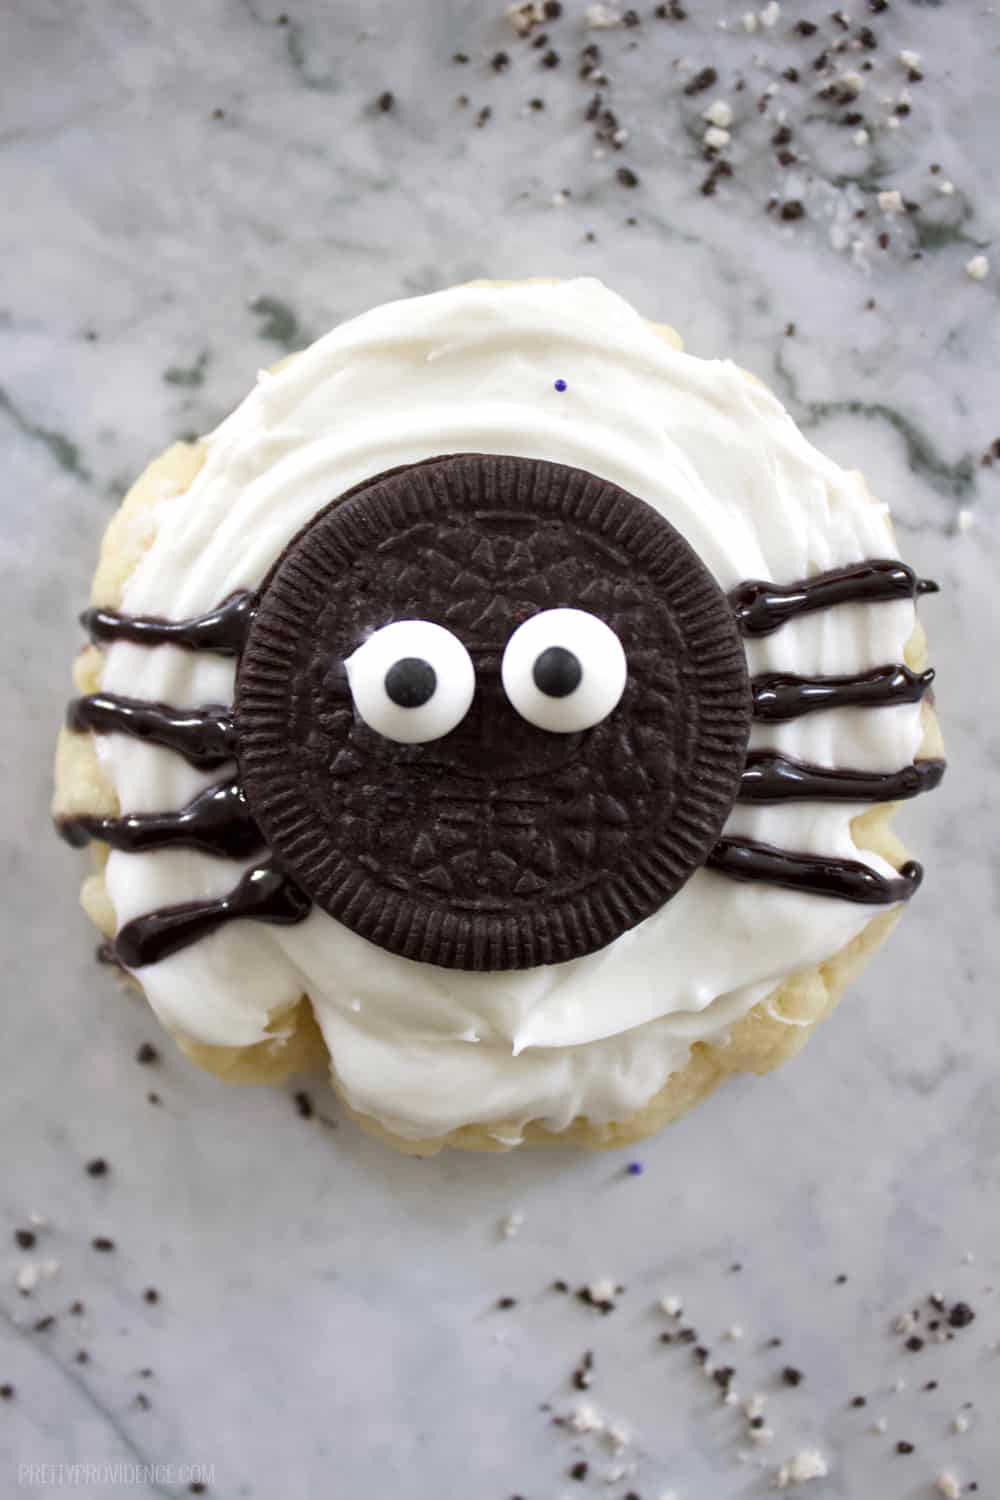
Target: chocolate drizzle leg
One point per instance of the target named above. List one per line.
(761, 607)
(769, 777)
(778, 697)
(814, 874)
(264, 894)
(223, 630)
(206, 737)
(217, 822)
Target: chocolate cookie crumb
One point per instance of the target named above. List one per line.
(97, 1168)
(304, 1105)
(151, 1295)
(6, 1392)
(701, 81)
(24, 1239)
(961, 1315)
(505, 1303)
(792, 210)
(147, 1054)
(42, 1324)
(791, 1376)
(579, 1470)
(904, 1447)
(915, 1343)
(101, 1242)
(627, 177)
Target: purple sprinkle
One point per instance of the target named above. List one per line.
(560, 385)
(634, 1169)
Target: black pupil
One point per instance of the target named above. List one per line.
(410, 682)
(557, 672)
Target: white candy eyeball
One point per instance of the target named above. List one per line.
(564, 670)
(412, 681)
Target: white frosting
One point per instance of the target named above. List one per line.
(472, 369)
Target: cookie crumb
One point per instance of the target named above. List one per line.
(97, 1168)
(791, 1376)
(880, 1425)
(808, 1464)
(978, 268)
(586, 1418)
(147, 1054)
(948, 1486)
(511, 1226)
(151, 1295)
(960, 1423)
(720, 113)
(602, 17)
(24, 1239)
(27, 1278)
(905, 1448)
(101, 1242)
(672, 1306)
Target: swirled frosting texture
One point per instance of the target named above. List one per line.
(473, 369)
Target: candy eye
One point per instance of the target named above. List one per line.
(564, 670)
(411, 681)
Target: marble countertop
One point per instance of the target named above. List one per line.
(287, 1309)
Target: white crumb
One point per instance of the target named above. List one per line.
(892, 123)
(586, 1418)
(717, 138)
(909, 59)
(770, 14)
(719, 112)
(669, 1495)
(899, 1386)
(861, 137)
(601, 17)
(618, 1437)
(853, 81)
(946, 186)
(880, 1424)
(750, 23)
(38, 1221)
(672, 1306)
(761, 1435)
(27, 1277)
(49, 1268)
(754, 1406)
(512, 1225)
(891, 202)
(905, 1323)
(732, 1398)
(601, 1291)
(807, 1464)
(960, 1423)
(559, 199)
(524, 17)
(734, 1331)
(948, 1486)
(964, 520)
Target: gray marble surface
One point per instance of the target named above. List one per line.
(189, 191)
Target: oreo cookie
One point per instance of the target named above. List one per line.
(500, 844)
